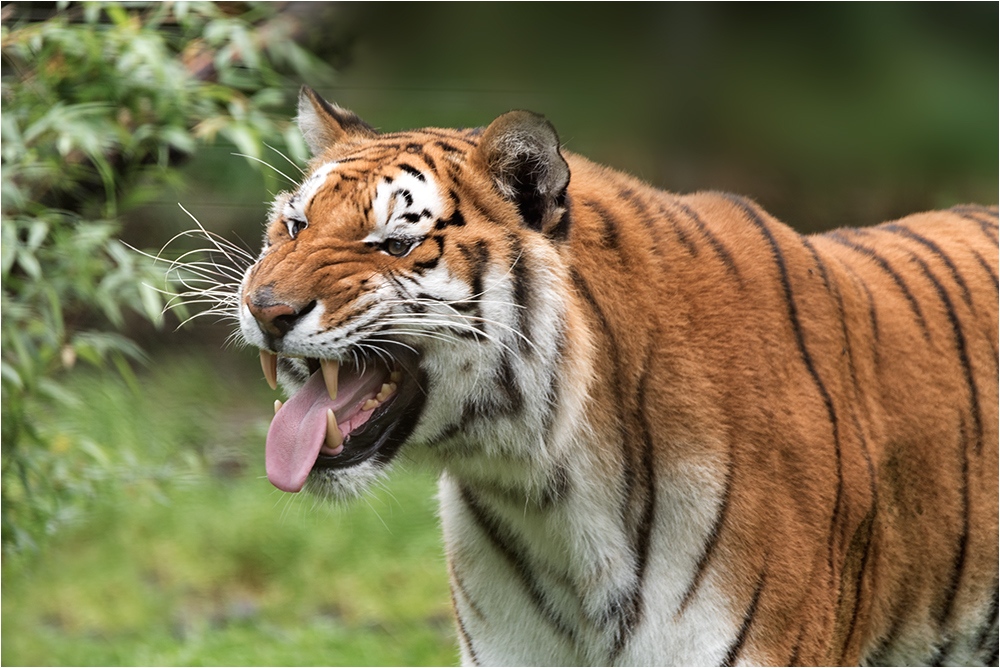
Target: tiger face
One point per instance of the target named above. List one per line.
(387, 280)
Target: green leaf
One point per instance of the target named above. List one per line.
(26, 260)
(37, 232)
(10, 374)
(152, 304)
(244, 139)
(8, 246)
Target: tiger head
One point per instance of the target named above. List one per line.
(396, 297)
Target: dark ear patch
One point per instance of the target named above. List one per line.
(324, 124)
(520, 152)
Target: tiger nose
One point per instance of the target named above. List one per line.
(274, 317)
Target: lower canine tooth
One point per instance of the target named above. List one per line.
(334, 439)
(277, 406)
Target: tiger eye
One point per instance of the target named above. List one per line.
(397, 247)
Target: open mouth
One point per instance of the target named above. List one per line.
(345, 414)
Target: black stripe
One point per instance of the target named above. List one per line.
(870, 531)
(459, 583)
(521, 289)
(503, 541)
(910, 234)
(867, 530)
(456, 582)
(478, 256)
(410, 169)
(455, 220)
(431, 263)
(631, 610)
(839, 238)
(961, 551)
(720, 249)
(610, 236)
(987, 633)
(464, 635)
(989, 270)
(553, 387)
(872, 312)
(678, 230)
(988, 211)
(506, 381)
(976, 215)
(833, 289)
(556, 488)
(741, 637)
(712, 540)
(963, 352)
(629, 474)
(445, 146)
(447, 135)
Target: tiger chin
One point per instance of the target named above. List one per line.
(670, 429)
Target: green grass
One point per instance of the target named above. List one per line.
(179, 552)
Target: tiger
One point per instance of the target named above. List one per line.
(669, 429)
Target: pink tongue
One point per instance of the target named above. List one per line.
(296, 434)
(298, 430)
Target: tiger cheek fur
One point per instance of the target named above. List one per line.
(670, 429)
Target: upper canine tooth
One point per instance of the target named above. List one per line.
(330, 369)
(269, 363)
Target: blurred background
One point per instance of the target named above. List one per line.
(137, 525)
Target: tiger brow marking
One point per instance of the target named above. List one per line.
(793, 317)
(502, 540)
(838, 237)
(744, 632)
(910, 234)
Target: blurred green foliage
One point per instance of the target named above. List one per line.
(99, 106)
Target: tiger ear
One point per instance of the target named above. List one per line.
(324, 124)
(520, 153)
